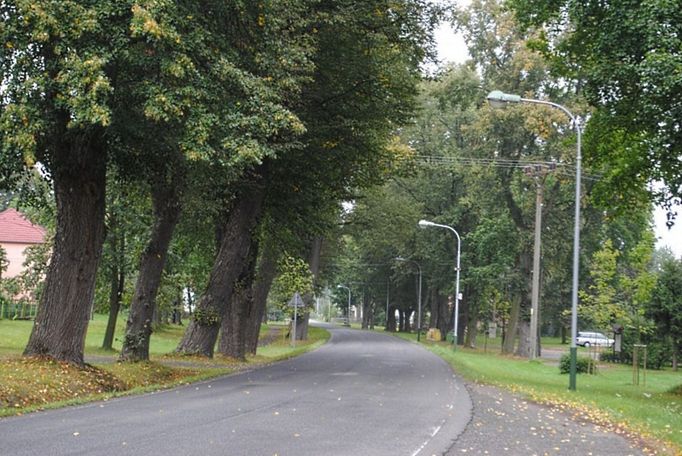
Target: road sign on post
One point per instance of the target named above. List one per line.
(295, 302)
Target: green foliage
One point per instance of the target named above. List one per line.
(665, 308)
(626, 56)
(658, 352)
(583, 365)
(600, 307)
(294, 277)
(206, 317)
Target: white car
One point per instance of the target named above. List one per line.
(586, 339)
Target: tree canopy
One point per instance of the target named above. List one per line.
(626, 59)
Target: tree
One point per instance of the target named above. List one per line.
(625, 57)
(600, 304)
(347, 110)
(665, 307)
(88, 85)
(294, 277)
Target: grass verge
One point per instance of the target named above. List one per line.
(29, 384)
(652, 411)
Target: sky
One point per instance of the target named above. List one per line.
(451, 48)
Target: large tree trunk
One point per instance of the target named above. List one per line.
(266, 272)
(202, 331)
(166, 201)
(235, 322)
(79, 175)
(367, 311)
(116, 293)
(523, 348)
(470, 317)
(303, 321)
(440, 312)
(390, 319)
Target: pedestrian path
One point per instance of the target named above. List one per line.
(506, 424)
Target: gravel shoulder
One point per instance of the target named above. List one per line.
(506, 424)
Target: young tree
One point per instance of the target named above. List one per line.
(665, 307)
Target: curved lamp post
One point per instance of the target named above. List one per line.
(419, 299)
(424, 224)
(498, 99)
(343, 286)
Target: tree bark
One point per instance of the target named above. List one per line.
(79, 176)
(440, 312)
(390, 319)
(523, 349)
(303, 322)
(166, 202)
(367, 311)
(266, 272)
(202, 331)
(525, 265)
(235, 322)
(512, 326)
(470, 317)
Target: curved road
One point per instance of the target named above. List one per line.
(362, 393)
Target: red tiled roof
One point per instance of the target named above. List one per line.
(15, 228)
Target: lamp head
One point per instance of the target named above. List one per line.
(499, 99)
(424, 223)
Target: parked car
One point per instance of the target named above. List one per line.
(587, 338)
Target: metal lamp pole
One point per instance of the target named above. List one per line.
(343, 286)
(498, 99)
(419, 299)
(424, 224)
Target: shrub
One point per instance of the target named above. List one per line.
(582, 365)
(659, 355)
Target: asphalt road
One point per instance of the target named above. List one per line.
(363, 393)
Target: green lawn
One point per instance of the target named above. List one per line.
(14, 335)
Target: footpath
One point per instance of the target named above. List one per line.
(503, 423)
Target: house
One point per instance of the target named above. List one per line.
(16, 234)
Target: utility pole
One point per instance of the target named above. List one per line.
(538, 172)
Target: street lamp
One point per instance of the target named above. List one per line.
(498, 99)
(343, 286)
(424, 224)
(419, 300)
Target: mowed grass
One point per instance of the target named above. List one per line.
(28, 384)
(653, 411)
(14, 335)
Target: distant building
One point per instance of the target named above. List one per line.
(16, 234)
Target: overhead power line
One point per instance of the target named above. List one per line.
(562, 169)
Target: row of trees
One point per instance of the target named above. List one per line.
(224, 134)
(469, 170)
